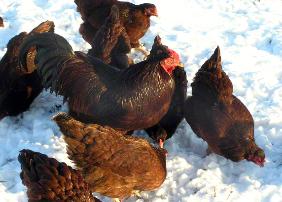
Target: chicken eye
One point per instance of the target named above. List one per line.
(159, 51)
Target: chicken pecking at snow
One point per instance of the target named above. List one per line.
(219, 117)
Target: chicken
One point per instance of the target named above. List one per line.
(219, 117)
(105, 41)
(19, 87)
(47, 179)
(1, 22)
(113, 164)
(169, 123)
(111, 43)
(129, 99)
(135, 18)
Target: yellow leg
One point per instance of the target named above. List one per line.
(209, 151)
(140, 49)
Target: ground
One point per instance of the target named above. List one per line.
(249, 34)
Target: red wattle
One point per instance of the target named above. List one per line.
(170, 63)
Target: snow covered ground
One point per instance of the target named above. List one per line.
(249, 34)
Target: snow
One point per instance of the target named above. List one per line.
(249, 34)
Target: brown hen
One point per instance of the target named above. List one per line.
(113, 164)
(19, 87)
(47, 179)
(111, 43)
(219, 117)
(135, 18)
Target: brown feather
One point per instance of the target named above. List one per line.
(219, 117)
(47, 179)
(112, 163)
(111, 43)
(135, 18)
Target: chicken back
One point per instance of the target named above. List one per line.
(47, 179)
(113, 164)
(219, 117)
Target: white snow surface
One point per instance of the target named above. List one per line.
(249, 34)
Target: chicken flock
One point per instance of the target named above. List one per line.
(110, 97)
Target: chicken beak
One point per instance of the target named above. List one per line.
(161, 143)
(181, 65)
(152, 12)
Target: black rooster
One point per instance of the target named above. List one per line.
(129, 99)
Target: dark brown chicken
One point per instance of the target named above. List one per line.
(133, 98)
(107, 47)
(169, 123)
(19, 87)
(1, 22)
(113, 164)
(47, 179)
(135, 18)
(219, 117)
(111, 43)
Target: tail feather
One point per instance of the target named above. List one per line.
(87, 142)
(107, 36)
(212, 82)
(47, 26)
(52, 51)
(74, 136)
(213, 64)
(56, 44)
(49, 180)
(70, 126)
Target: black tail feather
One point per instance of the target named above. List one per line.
(52, 51)
(50, 41)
